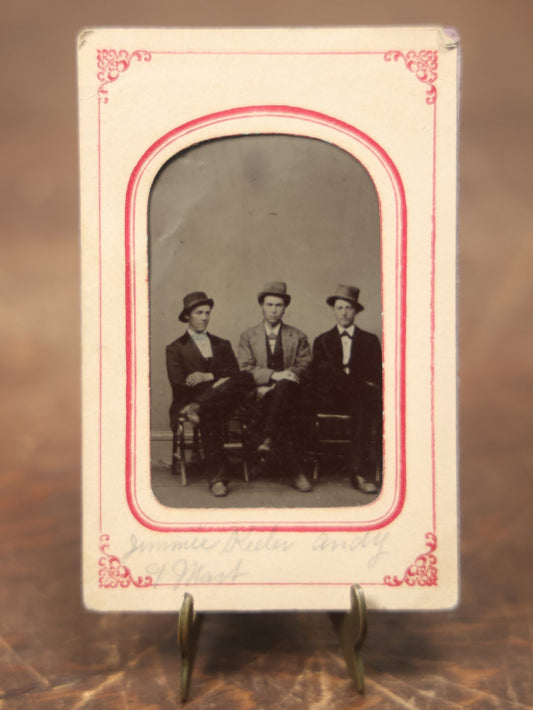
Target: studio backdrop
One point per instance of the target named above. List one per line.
(228, 215)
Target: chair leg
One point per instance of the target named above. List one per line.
(316, 455)
(244, 452)
(175, 458)
(181, 451)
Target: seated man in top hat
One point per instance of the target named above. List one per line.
(207, 384)
(347, 379)
(277, 355)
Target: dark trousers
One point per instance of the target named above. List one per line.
(217, 404)
(280, 405)
(278, 416)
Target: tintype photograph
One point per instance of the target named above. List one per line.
(268, 278)
(265, 325)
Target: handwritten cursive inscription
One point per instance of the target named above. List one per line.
(185, 544)
(184, 571)
(373, 542)
(254, 542)
(190, 572)
(226, 559)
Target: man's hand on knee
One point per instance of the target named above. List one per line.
(285, 375)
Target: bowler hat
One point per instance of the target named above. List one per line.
(191, 300)
(346, 293)
(274, 288)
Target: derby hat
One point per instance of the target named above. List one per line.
(274, 288)
(192, 300)
(346, 293)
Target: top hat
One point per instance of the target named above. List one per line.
(274, 288)
(191, 300)
(346, 293)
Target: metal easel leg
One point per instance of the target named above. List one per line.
(189, 625)
(352, 628)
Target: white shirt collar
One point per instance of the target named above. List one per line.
(350, 329)
(275, 330)
(195, 335)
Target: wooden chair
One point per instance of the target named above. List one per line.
(188, 437)
(179, 445)
(333, 430)
(336, 431)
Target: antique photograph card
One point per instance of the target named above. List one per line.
(268, 227)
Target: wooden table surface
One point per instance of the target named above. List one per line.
(53, 653)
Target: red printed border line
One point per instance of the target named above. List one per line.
(423, 571)
(112, 574)
(363, 141)
(112, 63)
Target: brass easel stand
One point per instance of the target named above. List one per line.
(351, 625)
(189, 625)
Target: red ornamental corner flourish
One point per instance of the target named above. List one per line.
(112, 63)
(424, 64)
(422, 572)
(113, 574)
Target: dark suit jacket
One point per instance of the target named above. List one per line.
(365, 362)
(184, 358)
(252, 352)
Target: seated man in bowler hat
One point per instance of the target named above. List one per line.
(347, 379)
(207, 384)
(277, 355)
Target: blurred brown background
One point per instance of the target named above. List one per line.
(53, 654)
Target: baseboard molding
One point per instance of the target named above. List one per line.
(166, 435)
(161, 435)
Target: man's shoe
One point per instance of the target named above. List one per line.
(219, 489)
(191, 412)
(266, 447)
(365, 486)
(302, 484)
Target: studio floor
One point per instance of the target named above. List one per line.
(266, 489)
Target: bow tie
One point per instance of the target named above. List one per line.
(346, 334)
(272, 336)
